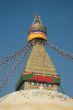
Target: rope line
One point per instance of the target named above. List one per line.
(60, 51)
(8, 59)
(10, 73)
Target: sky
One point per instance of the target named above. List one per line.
(15, 18)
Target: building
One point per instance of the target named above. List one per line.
(37, 88)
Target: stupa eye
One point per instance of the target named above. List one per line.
(50, 85)
(44, 85)
(32, 83)
(37, 84)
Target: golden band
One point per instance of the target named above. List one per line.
(37, 35)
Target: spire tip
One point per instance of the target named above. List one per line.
(37, 19)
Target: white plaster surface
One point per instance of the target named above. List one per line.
(37, 99)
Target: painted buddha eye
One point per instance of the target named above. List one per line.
(32, 83)
(44, 85)
(50, 85)
(37, 84)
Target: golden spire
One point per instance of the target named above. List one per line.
(39, 71)
(37, 30)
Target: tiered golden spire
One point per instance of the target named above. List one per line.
(39, 69)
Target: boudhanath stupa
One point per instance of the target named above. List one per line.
(37, 87)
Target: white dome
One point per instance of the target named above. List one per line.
(36, 100)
